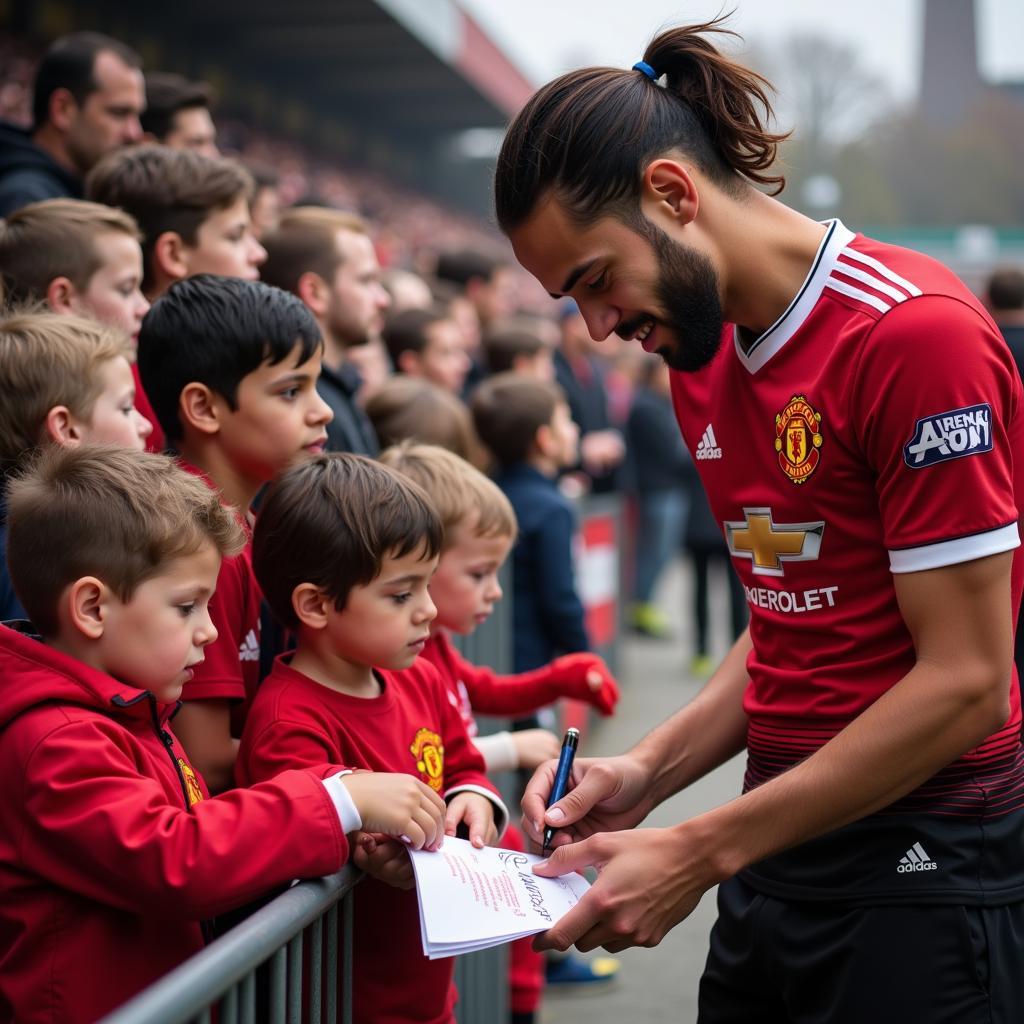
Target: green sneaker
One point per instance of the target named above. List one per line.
(701, 666)
(649, 620)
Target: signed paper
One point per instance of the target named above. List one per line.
(471, 899)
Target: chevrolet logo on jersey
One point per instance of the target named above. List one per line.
(950, 435)
(768, 544)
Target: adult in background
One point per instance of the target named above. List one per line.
(581, 375)
(326, 257)
(178, 114)
(856, 420)
(1004, 298)
(86, 102)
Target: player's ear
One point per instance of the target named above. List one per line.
(311, 605)
(170, 255)
(86, 605)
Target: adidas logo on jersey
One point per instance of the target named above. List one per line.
(707, 447)
(915, 859)
(249, 648)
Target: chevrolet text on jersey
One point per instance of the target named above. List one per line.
(950, 435)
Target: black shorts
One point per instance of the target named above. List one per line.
(785, 962)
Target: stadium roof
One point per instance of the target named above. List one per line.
(413, 69)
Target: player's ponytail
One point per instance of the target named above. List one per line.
(587, 136)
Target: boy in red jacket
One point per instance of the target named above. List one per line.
(479, 530)
(344, 550)
(110, 852)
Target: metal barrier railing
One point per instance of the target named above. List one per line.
(224, 974)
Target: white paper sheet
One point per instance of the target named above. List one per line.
(471, 899)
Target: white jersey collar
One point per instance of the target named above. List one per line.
(837, 237)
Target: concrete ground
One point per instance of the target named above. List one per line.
(657, 984)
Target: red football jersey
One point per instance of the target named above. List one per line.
(871, 430)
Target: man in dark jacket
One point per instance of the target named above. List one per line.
(87, 98)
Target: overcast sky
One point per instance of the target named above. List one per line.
(547, 37)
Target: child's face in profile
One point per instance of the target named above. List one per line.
(386, 622)
(114, 418)
(153, 640)
(113, 294)
(278, 416)
(465, 587)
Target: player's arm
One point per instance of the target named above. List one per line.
(618, 793)
(955, 695)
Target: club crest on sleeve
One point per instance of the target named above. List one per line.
(950, 435)
(798, 439)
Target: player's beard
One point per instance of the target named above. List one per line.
(687, 295)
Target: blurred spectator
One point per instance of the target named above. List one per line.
(409, 407)
(373, 365)
(581, 375)
(663, 475)
(87, 98)
(407, 290)
(193, 212)
(1004, 297)
(707, 546)
(265, 207)
(519, 350)
(177, 113)
(327, 258)
(487, 282)
(428, 343)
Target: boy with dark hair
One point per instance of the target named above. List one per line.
(344, 550)
(78, 257)
(193, 211)
(428, 343)
(87, 98)
(110, 851)
(67, 381)
(231, 368)
(526, 425)
(479, 530)
(177, 113)
(327, 258)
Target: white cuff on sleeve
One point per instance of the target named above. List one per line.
(498, 751)
(348, 813)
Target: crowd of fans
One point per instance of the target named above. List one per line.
(247, 415)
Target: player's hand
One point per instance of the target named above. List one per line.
(477, 812)
(534, 747)
(606, 795)
(589, 679)
(398, 805)
(384, 859)
(648, 881)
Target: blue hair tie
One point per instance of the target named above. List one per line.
(642, 65)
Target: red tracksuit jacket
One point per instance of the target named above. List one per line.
(110, 851)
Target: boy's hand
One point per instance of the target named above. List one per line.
(534, 747)
(477, 812)
(384, 859)
(588, 678)
(398, 805)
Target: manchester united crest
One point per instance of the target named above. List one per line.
(195, 794)
(429, 753)
(798, 439)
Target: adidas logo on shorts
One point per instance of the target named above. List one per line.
(915, 859)
(707, 447)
